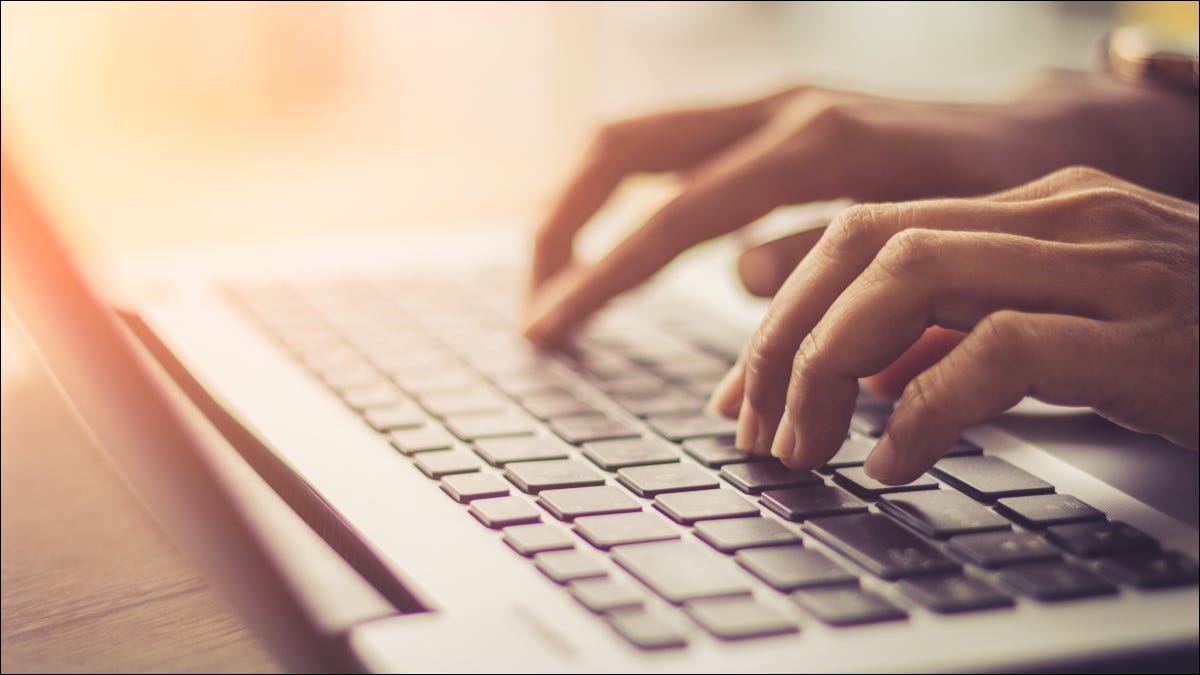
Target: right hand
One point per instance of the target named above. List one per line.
(807, 144)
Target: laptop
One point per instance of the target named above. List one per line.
(356, 448)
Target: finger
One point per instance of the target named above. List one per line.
(765, 267)
(921, 278)
(663, 142)
(737, 190)
(1006, 357)
(934, 344)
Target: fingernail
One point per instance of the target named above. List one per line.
(747, 428)
(881, 464)
(728, 394)
(784, 444)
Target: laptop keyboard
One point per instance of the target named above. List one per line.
(601, 466)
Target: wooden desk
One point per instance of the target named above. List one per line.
(90, 584)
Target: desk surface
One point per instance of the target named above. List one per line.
(90, 583)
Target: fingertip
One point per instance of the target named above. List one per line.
(758, 271)
(881, 463)
(726, 399)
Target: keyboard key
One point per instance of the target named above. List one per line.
(604, 532)
(1045, 510)
(870, 420)
(613, 455)
(430, 383)
(854, 452)
(1090, 540)
(661, 403)
(856, 480)
(583, 428)
(422, 439)
(739, 618)
(528, 383)
(689, 507)
(754, 477)
(547, 406)
(942, 513)
(648, 481)
(533, 477)
(628, 383)
(397, 416)
(501, 451)
(498, 512)
(1153, 571)
(567, 566)
(729, 536)
(474, 427)
(605, 595)
(439, 463)
(1051, 581)
(989, 478)
(681, 571)
(571, 503)
(847, 606)
(648, 630)
(467, 487)
(1000, 549)
(787, 568)
(537, 538)
(880, 545)
(802, 503)
(715, 452)
(463, 402)
(952, 594)
(679, 428)
(376, 396)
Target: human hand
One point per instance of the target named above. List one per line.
(1077, 289)
(809, 144)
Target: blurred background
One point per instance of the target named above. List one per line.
(176, 123)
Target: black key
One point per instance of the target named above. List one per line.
(871, 420)
(498, 512)
(571, 503)
(679, 428)
(787, 568)
(951, 594)
(501, 451)
(853, 452)
(856, 480)
(467, 487)
(422, 439)
(547, 406)
(739, 618)
(1156, 571)
(754, 477)
(1090, 540)
(648, 630)
(880, 545)
(533, 477)
(583, 428)
(715, 452)
(1046, 510)
(1000, 549)
(734, 535)
(680, 571)
(537, 538)
(847, 606)
(613, 455)
(474, 427)
(397, 416)
(689, 507)
(460, 402)
(802, 503)
(618, 529)
(439, 463)
(566, 566)
(942, 513)
(605, 595)
(1051, 581)
(648, 481)
(989, 478)
(661, 403)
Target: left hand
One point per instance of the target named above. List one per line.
(1077, 289)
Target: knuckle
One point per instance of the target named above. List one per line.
(835, 119)
(1003, 340)
(1080, 175)
(857, 230)
(908, 253)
